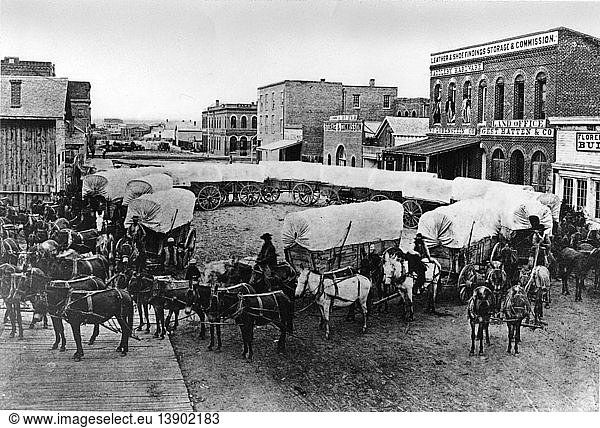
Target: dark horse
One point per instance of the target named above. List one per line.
(65, 269)
(573, 262)
(24, 286)
(515, 308)
(84, 241)
(479, 310)
(140, 288)
(166, 294)
(89, 283)
(95, 307)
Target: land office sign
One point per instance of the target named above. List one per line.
(519, 44)
(588, 142)
(519, 128)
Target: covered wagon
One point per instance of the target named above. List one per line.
(148, 184)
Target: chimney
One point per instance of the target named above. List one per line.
(322, 80)
(371, 82)
(217, 103)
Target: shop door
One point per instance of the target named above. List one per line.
(517, 167)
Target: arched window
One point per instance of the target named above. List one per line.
(233, 146)
(406, 113)
(519, 103)
(499, 99)
(482, 101)
(414, 113)
(340, 156)
(466, 103)
(233, 121)
(539, 171)
(352, 161)
(253, 122)
(517, 167)
(450, 107)
(540, 96)
(329, 159)
(498, 162)
(243, 146)
(244, 122)
(437, 104)
(399, 113)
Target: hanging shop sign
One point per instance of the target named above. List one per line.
(452, 131)
(588, 142)
(459, 69)
(518, 132)
(518, 44)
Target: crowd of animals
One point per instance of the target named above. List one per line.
(84, 270)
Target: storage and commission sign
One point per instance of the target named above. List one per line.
(518, 132)
(588, 142)
(459, 69)
(499, 48)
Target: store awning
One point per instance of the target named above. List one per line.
(278, 145)
(433, 146)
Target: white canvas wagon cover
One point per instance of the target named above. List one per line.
(111, 184)
(149, 184)
(319, 229)
(413, 185)
(199, 172)
(243, 172)
(470, 188)
(164, 210)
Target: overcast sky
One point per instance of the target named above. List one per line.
(171, 59)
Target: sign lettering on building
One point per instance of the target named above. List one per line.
(518, 132)
(453, 131)
(343, 117)
(292, 134)
(460, 69)
(499, 48)
(588, 142)
(522, 123)
(343, 126)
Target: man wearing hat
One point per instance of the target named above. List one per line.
(168, 256)
(540, 246)
(418, 266)
(136, 233)
(192, 273)
(267, 259)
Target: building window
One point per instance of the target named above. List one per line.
(266, 101)
(437, 104)
(261, 102)
(597, 208)
(272, 124)
(466, 103)
(581, 194)
(340, 156)
(539, 171)
(386, 101)
(329, 159)
(233, 121)
(498, 163)
(568, 191)
(450, 107)
(499, 100)
(282, 98)
(266, 124)
(243, 146)
(233, 146)
(482, 102)
(519, 105)
(244, 122)
(356, 101)
(353, 161)
(253, 122)
(281, 125)
(273, 101)
(414, 113)
(406, 113)
(15, 93)
(540, 96)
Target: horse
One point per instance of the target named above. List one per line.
(65, 268)
(479, 310)
(496, 280)
(94, 307)
(395, 273)
(228, 271)
(515, 308)
(9, 251)
(262, 309)
(283, 278)
(330, 292)
(222, 304)
(24, 285)
(510, 263)
(105, 246)
(84, 241)
(197, 299)
(537, 289)
(572, 261)
(140, 288)
(89, 283)
(6, 272)
(170, 294)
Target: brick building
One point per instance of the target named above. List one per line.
(344, 137)
(229, 129)
(411, 107)
(490, 102)
(12, 66)
(297, 109)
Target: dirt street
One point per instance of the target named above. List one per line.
(395, 366)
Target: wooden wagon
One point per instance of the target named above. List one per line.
(165, 214)
(339, 236)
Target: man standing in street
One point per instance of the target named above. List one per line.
(267, 260)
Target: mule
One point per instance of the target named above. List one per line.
(537, 289)
(140, 288)
(167, 293)
(24, 285)
(573, 262)
(330, 293)
(479, 311)
(496, 280)
(395, 274)
(515, 308)
(94, 307)
(67, 268)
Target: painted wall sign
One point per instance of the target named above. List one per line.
(343, 126)
(499, 48)
(292, 134)
(459, 69)
(454, 131)
(588, 142)
(344, 117)
(518, 132)
(537, 123)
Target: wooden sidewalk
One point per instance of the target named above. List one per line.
(35, 378)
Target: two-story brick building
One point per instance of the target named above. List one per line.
(295, 111)
(229, 129)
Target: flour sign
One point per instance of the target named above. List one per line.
(588, 142)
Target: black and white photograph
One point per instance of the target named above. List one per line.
(328, 208)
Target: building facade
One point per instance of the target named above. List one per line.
(229, 129)
(411, 107)
(297, 110)
(12, 66)
(392, 132)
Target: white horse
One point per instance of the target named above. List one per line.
(338, 294)
(395, 273)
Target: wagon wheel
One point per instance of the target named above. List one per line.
(467, 280)
(224, 195)
(250, 195)
(209, 198)
(302, 194)
(270, 194)
(329, 197)
(412, 213)
(190, 246)
(379, 197)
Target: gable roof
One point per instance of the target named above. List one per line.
(41, 97)
(404, 126)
